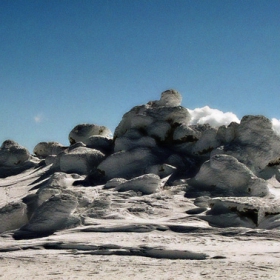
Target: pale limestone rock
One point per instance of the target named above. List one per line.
(45, 149)
(82, 133)
(255, 144)
(12, 154)
(125, 143)
(146, 184)
(127, 164)
(225, 174)
(80, 160)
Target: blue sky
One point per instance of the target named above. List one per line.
(69, 62)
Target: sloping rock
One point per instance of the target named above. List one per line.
(127, 164)
(146, 184)
(52, 215)
(245, 211)
(225, 175)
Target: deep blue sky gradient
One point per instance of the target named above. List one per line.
(71, 62)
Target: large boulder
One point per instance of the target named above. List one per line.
(255, 143)
(80, 159)
(45, 149)
(12, 154)
(224, 175)
(14, 159)
(54, 214)
(82, 133)
(127, 164)
(146, 184)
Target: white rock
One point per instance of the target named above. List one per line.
(12, 154)
(162, 170)
(82, 132)
(231, 177)
(160, 130)
(125, 143)
(13, 216)
(170, 98)
(113, 183)
(101, 143)
(44, 149)
(256, 144)
(147, 184)
(207, 142)
(145, 115)
(127, 164)
(80, 160)
(185, 133)
(52, 215)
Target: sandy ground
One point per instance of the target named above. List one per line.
(113, 248)
(249, 256)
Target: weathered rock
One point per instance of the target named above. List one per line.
(225, 175)
(244, 211)
(82, 133)
(14, 159)
(146, 184)
(44, 149)
(101, 143)
(13, 216)
(80, 160)
(126, 144)
(113, 183)
(52, 215)
(170, 98)
(255, 144)
(127, 164)
(12, 154)
(165, 110)
(162, 170)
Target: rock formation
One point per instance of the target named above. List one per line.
(229, 172)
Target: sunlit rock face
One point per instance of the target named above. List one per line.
(126, 164)
(170, 98)
(12, 154)
(13, 216)
(255, 143)
(80, 160)
(52, 215)
(249, 212)
(146, 184)
(82, 133)
(44, 149)
(165, 113)
(14, 159)
(225, 175)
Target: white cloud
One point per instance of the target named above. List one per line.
(38, 118)
(276, 125)
(214, 117)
